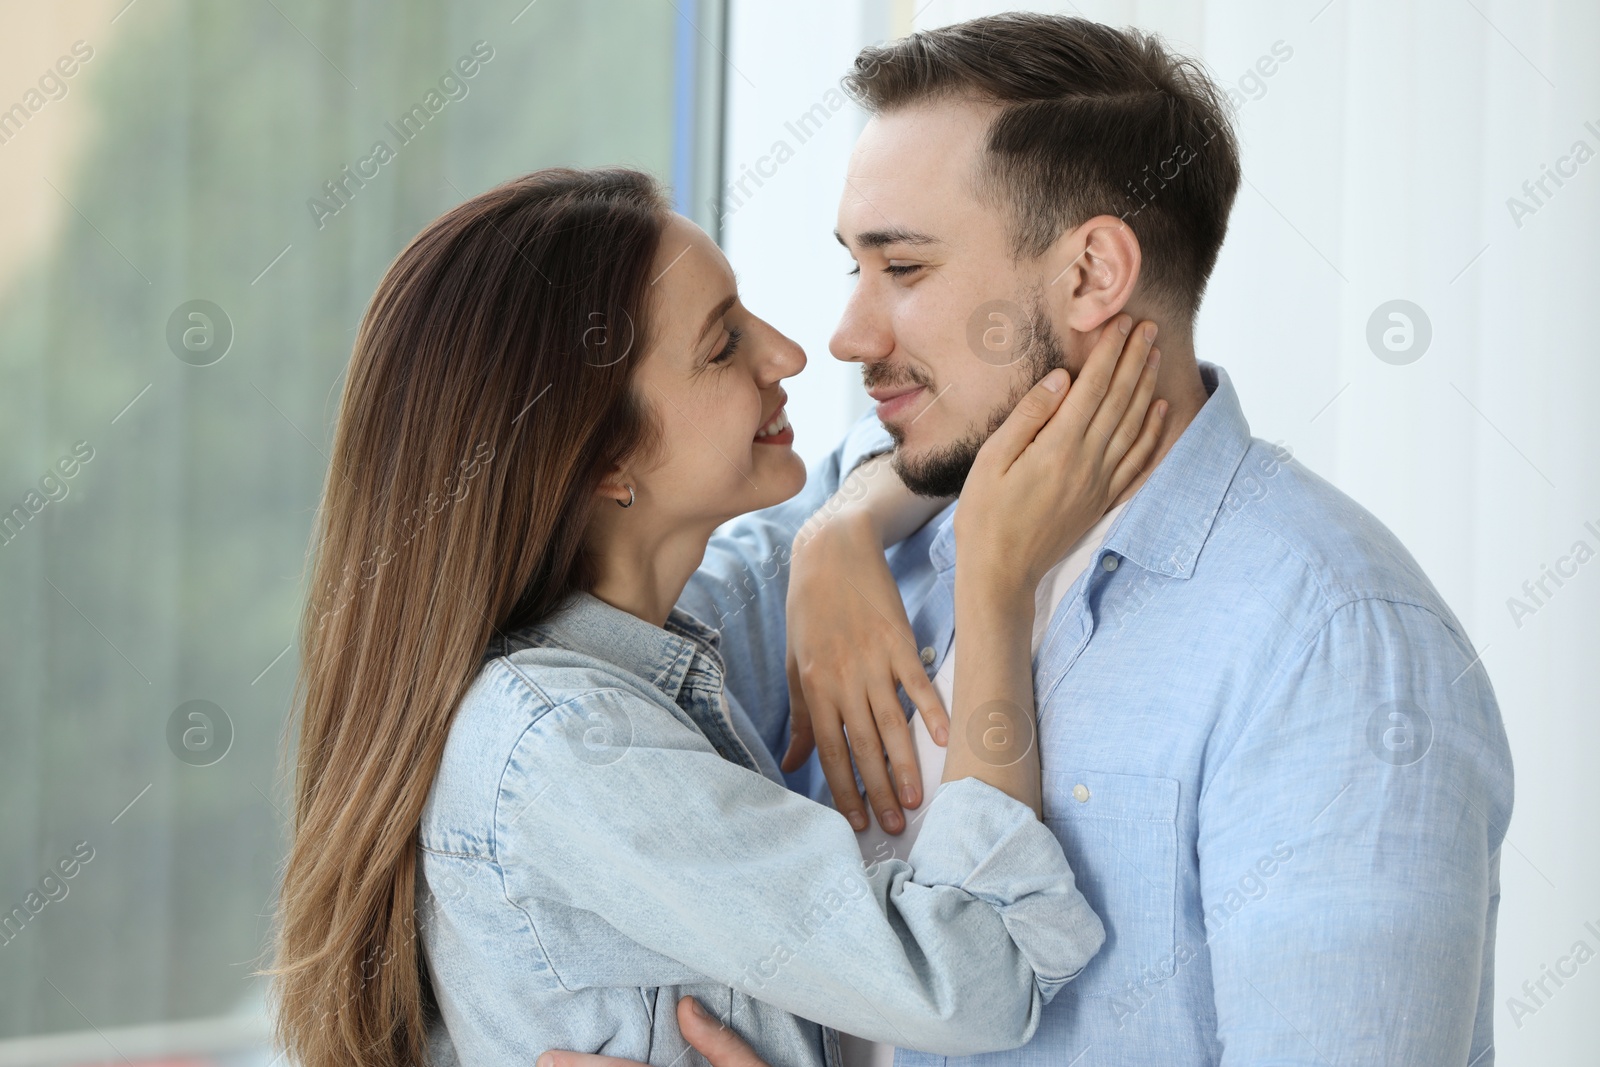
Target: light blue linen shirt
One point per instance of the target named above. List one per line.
(607, 833)
(1270, 753)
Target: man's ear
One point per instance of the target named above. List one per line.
(1095, 268)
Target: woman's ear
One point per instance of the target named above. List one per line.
(1094, 268)
(617, 486)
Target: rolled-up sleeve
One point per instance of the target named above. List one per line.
(985, 844)
(956, 951)
(1349, 847)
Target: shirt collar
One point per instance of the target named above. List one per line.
(1166, 523)
(584, 623)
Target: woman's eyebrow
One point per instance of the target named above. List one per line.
(893, 235)
(716, 313)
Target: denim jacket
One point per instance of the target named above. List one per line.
(608, 832)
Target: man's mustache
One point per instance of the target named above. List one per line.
(890, 374)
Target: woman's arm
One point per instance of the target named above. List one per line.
(937, 950)
(740, 586)
(874, 496)
(849, 645)
(735, 877)
(1038, 484)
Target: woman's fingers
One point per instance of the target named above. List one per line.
(721, 1045)
(1131, 363)
(870, 728)
(1026, 419)
(889, 716)
(800, 740)
(858, 737)
(914, 679)
(1093, 382)
(833, 754)
(1143, 448)
(1125, 432)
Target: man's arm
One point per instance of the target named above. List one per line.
(1349, 849)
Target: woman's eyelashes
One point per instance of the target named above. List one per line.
(734, 337)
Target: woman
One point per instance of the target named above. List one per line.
(555, 397)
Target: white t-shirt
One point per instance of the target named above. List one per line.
(876, 845)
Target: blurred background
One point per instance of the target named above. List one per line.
(195, 211)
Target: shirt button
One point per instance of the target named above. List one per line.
(1109, 563)
(1080, 793)
(927, 656)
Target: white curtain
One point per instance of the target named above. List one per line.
(1386, 151)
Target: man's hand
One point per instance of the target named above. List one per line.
(719, 1044)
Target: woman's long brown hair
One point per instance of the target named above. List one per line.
(488, 395)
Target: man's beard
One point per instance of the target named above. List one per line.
(943, 471)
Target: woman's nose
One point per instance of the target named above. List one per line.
(784, 359)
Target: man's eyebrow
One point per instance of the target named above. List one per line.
(893, 235)
(716, 313)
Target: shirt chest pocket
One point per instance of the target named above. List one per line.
(1120, 833)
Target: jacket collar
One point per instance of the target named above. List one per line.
(1167, 521)
(586, 624)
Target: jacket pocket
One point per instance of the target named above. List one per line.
(1120, 833)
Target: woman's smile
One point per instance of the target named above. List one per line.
(777, 430)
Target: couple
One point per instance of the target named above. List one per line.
(1193, 765)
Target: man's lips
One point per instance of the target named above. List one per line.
(892, 402)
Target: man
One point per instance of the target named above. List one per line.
(1269, 749)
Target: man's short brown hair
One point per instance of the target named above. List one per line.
(1094, 121)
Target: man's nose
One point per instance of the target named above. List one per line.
(861, 336)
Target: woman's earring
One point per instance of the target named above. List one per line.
(629, 504)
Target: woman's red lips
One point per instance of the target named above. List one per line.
(783, 398)
(784, 434)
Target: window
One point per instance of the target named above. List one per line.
(199, 200)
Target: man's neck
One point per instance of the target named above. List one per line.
(1180, 385)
